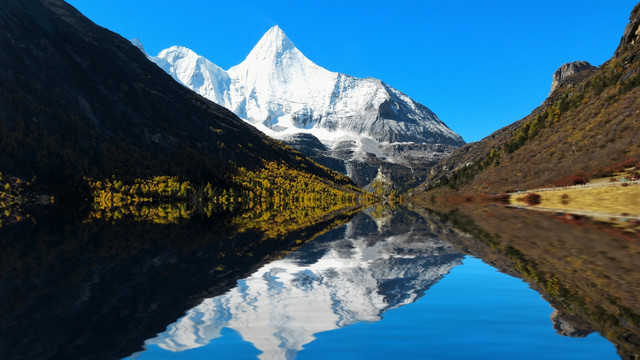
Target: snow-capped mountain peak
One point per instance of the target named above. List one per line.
(283, 93)
(276, 83)
(274, 43)
(194, 71)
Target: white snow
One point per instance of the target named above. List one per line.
(281, 92)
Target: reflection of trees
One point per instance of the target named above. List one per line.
(274, 200)
(587, 271)
(16, 196)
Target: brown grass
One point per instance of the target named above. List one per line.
(612, 200)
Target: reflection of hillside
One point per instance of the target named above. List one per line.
(269, 222)
(75, 289)
(274, 200)
(589, 272)
(351, 274)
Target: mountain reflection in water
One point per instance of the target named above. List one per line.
(351, 274)
(79, 289)
(360, 271)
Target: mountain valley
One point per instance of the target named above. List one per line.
(156, 207)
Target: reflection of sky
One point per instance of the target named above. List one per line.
(228, 346)
(474, 312)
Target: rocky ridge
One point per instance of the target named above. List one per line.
(567, 70)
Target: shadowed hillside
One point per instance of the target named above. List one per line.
(80, 101)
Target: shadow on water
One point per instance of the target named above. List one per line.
(588, 271)
(77, 289)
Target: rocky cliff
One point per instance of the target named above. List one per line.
(567, 70)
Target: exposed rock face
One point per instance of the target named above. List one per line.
(571, 325)
(311, 147)
(407, 164)
(567, 70)
(631, 33)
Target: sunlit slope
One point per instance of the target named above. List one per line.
(588, 123)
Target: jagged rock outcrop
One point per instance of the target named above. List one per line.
(571, 325)
(567, 70)
(631, 34)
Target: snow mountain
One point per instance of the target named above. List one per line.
(283, 93)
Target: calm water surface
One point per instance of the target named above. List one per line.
(380, 286)
(474, 312)
(371, 292)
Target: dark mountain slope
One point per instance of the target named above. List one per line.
(589, 123)
(78, 100)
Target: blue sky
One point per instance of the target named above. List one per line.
(479, 65)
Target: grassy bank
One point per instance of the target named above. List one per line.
(614, 200)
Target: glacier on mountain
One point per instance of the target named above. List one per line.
(283, 93)
(347, 276)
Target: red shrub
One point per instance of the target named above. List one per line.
(628, 163)
(569, 180)
(616, 168)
